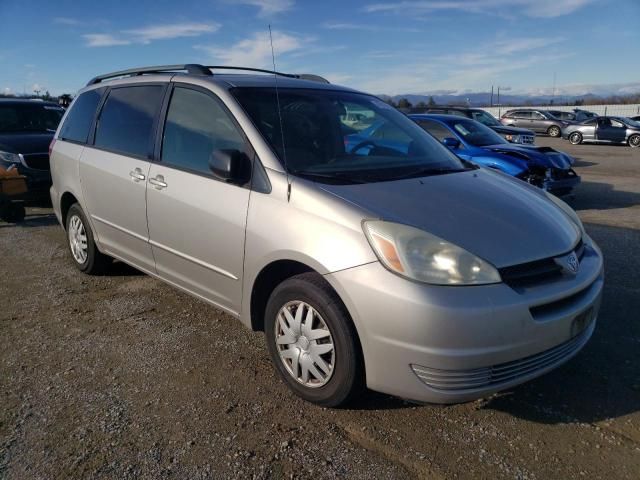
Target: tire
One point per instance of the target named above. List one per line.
(341, 377)
(554, 131)
(84, 252)
(634, 141)
(575, 138)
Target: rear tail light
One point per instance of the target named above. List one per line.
(53, 142)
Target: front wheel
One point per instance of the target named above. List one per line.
(634, 141)
(554, 131)
(84, 252)
(312, 341)
(575, 138)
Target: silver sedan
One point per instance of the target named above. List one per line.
(605, 130)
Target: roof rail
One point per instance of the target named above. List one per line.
(301, 76)
(196, 69)
(191, 68)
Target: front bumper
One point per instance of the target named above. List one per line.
(561, 181)
(416, 337)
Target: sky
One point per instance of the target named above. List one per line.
(429, 46)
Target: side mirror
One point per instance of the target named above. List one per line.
(231, 166)
(451, 142)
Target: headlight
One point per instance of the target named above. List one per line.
(418, 255)
(569, 211)
(8, 157)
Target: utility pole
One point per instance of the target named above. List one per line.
(491, 103)
(553, 91)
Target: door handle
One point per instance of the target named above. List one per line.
(158, 182)
(137, 175)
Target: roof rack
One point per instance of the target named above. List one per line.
(196, 69)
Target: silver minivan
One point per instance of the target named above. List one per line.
(377, 260)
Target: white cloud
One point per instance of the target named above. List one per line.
(269, 7)
(7, 91)
(103, 40)
(365, 27)
(484, 63)
(532, 8)
(148, 34)
(164, 32)
(255, 51)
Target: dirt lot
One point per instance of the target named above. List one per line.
(121, 376)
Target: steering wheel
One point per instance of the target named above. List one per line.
(365, 143)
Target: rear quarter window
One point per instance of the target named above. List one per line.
(127, 119)
(80, 118)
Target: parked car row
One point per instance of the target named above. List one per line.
(370, 253)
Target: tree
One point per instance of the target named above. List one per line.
(404, 103)
(432, 102)
(421, 104)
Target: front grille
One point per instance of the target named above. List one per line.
(39, 161)
(496, 375)
(527, 139)
(537, 271)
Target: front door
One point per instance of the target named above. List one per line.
(197, 222)
(114, 169)
(611, 130)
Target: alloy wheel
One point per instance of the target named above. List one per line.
(305, 344)
(634, 141)
(78, 239)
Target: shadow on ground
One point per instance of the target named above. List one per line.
(602, 196)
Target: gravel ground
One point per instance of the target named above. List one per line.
(121, 376)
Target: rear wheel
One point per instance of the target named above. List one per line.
(575, 138)
(84, 252)
(554, 131)
(312, 341)
(634, 141)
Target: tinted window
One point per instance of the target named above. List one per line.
(29, 117)
(537, 116)
(196, 126)
(459, 113)
(80, 118)
(436, 129)
(521, 114)
(590, 122)
(126, 120)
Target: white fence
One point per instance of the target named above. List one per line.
(631, 110)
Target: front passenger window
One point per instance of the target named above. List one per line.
(196, 126)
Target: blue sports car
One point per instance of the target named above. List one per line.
(543, 167)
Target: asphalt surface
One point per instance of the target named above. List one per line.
(120, 376)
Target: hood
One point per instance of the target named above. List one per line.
(26, 142)
(544, 157)
(502, 220)
(512, 130)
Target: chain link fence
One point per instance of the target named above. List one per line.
(630, 110)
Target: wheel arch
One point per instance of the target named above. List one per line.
(66, 201)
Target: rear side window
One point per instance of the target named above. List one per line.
(196, 126)
(80, 118)
(521, 114)
(436, 129)
(127, 119)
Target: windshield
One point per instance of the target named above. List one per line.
(476, 134)
(485, 118)
(29, 118)
(341, 136)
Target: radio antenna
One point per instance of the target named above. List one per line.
(275, 78)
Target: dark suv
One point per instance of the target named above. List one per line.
(539, 121)
(26, 130)
(511, 134)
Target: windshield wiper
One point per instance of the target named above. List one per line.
(340, 176)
